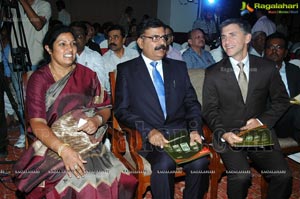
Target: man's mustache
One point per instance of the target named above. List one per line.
(163, 47)
(112, 44)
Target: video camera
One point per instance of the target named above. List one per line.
(19, 58)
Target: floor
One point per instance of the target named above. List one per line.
(7, 188)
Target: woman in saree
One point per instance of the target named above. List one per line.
(67, 111)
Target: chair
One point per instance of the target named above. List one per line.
(25, 78)
(126, 143)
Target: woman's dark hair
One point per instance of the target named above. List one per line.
(51, 37)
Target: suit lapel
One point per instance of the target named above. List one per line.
(230, 78)
(167, 69)
(146, 82)
(289, 74)
(253, 72)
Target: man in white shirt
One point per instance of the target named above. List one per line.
(87, 57)
(276, 50)
(63, 15)
(117, 52)
(257, 44)
(172, 52)
(263, 23)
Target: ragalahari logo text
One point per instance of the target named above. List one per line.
(272, 8)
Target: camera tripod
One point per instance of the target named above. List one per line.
(20, 56)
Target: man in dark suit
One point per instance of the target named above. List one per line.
(157, 114)
(243, 92)
(276, 50)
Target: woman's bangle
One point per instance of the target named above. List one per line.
(60, 148)
(101, 119)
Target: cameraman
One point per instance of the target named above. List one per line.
(34, 16)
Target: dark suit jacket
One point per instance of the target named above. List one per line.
(293, 79)
(137, 104)
(223, 105)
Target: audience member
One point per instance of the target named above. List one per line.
(276, 50)
(63, 15)
(117, 53)
(172, 53)
(54, 22)
(86, 56)
(125, 20)
(257, 44)
(263, 23)
(208, 25)
(99, 34)
(57, 99)
(132, 34)
(89, 37)
(141, 103)
(282, 27)
(219, 16)
(195, 56)
(230, 105)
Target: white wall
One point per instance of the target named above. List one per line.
(179, 14)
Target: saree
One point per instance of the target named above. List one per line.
(40, 172)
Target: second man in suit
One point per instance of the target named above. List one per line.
(154, 95)
(242, 92)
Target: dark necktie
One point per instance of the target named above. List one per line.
(242, 80)
(159, 87)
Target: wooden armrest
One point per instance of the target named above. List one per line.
(135, 145)
(134, 141)
(207, 133)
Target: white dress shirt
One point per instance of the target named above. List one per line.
(150, 68)
(111, 60)
(93, 60)
(282, 72)
(236, 68)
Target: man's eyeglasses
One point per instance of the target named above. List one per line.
(275, 47)
(156, 38)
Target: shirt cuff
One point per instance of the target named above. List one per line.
(259, 122)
